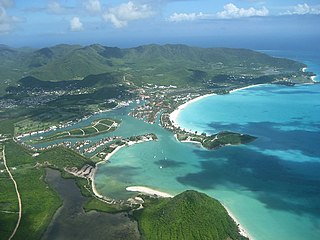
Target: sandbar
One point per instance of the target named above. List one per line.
(148, 191)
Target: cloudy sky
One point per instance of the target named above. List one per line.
(239, 23)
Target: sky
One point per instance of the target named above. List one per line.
(257, 24)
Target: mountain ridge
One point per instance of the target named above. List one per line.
(169, 64)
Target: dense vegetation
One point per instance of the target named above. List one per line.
(98, 205)
(226, 138)
(39, 202)
(167, 64)
(189, 215)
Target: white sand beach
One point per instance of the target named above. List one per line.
(148, 191)
(108, 156)
(95, 170)
(242, 230)
(250, 86)
(175, 113)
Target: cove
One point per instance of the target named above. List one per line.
(271, 185)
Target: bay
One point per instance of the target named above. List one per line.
(271, 185)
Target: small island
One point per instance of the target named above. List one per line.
(216, 140)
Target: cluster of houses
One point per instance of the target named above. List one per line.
(100, 143)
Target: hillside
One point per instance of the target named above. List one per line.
(189, 215)
(159, 64)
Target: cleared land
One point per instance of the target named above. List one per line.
(96, 127)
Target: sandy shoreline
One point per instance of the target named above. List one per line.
(242, 230)
(250, 86)
(173, 119)
(148, 191)
(174, 115)
(93, 186)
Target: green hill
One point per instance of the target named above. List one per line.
(189, 215)
(175, 64)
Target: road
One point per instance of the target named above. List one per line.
(17, 191)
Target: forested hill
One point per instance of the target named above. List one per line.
(189, 215)
(161, 64)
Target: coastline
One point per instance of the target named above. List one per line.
(313, 78)
(93, 186)
(250, 86)
(148, 191)
(174, 115)
(173, 118)
(242, 230)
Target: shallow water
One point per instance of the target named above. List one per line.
(272, 185)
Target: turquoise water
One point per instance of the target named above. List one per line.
(271, 185)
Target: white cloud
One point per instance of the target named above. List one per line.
(6, 3)
(120, 15)
(6, 22)
(93, 5)
(179, 17)
(76, 24)
(302, 9)
(55, 7)
(232, 11)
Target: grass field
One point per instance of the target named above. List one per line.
(96, 127)
(29, 125)
(89, 130)
(39, 202)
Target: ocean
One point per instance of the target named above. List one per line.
(271, 185)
